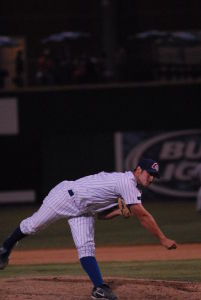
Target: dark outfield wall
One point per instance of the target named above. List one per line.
(68, 133)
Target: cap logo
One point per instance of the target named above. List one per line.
(155, 167)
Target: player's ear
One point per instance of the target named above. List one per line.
(137, 171)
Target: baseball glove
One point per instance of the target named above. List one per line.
(125, 211)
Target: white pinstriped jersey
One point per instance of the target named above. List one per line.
(100, 191)
(93, 193)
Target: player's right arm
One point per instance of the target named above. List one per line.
(147, 220)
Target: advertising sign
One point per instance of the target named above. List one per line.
(177, 152)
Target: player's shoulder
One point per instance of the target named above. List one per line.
(128, 175)
(126, 178)
(125, 174)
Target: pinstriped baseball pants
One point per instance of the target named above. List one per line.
(57, 205)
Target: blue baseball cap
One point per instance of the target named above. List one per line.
(150, 165)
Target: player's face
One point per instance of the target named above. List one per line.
(144, 178)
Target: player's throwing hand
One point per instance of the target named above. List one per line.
(168, 244)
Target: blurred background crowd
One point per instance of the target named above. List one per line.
(98, 42)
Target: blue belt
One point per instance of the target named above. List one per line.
(71, 193)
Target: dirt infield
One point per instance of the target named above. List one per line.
(79, 288)
(121, 253)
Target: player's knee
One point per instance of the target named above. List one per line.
(28, 227)
(86, 250)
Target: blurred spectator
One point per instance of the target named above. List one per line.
(91, 71)
(63, 68)
(45, 68)
(19, 69)
(79, 70)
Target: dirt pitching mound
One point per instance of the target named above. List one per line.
(79, 288)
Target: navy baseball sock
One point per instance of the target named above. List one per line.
(91, 267)
(13, 239)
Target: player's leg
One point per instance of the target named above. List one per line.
(29, 226)
(82, 229)
(53, 208)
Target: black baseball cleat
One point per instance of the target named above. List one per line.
(103, 292)
(3, 258)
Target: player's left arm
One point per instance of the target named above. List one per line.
(109, 213)
(121, 209)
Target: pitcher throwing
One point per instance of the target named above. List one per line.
(78, 201)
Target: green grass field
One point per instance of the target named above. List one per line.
(188, 270)
(177, 219)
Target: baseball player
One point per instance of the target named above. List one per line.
(78, 201)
